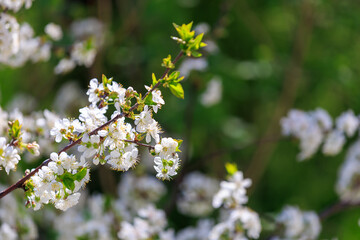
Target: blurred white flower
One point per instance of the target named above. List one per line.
(213, 93)
(348, 123)
(54, 31)
(197, 191)
(190, 64)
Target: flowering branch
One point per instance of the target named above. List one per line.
(20, 183)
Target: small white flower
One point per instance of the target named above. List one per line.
(143, 120)
(64, 66)
(197, 191)
(166, 147)
(334, 143)
(71, 200)
(90, 146)
(82, 54)
(213, 93)
(7, 233)
(54, 31)
(348, 123)
(166, 167)
(156, 98)
(9, 156)
(153, 131)
(92, 117)
(232, 192)
(292, 219)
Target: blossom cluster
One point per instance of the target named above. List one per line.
(102, 212)
(197, 191)
(316, 127)
(25, 134)
(88, 38)
(13, 216)
(57, 183)
(242, 222)
(136, 192)
(16, 5)
(347, 185)
(297, 224)
(18, 43)
(149, 224)
(102, 141)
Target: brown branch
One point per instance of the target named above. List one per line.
(336, 208)
(138, 143)
(287, 97)
(20, 183)
(253, 23)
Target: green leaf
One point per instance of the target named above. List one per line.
(184, 31)
(106, 80)
(68, 181)
(80, 175)
(15, 129)
(167, 63)
(231, 168)
(196, 54)
(174, 75)
(148, 100)
(154, 81)
(179, 141)
(177, 90)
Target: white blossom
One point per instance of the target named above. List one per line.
(323, 118)
(54, 31)
(347, 185)
(200, 232)
(348, 123)
(213, 93)
(9, 156)
(90, 146)
(298, 224)
(334, 142)
(136, 192)
(82, 54)
(232, 192)
(197, 191)
(190, 64)
(68, 202)
(166, 147)
(143, 120)
(15, 5)
(92, 117)
(156, 98)
(64, 66)
(166, 167)
(292, 219)
(7, 233)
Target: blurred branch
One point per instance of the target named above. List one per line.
(336, 208)
(290, 83)
(223, 20)
(254, 23)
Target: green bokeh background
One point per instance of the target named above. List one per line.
(312, 52)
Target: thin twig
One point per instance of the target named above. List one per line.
(138, 143)
(20, 183)
(336, 208)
